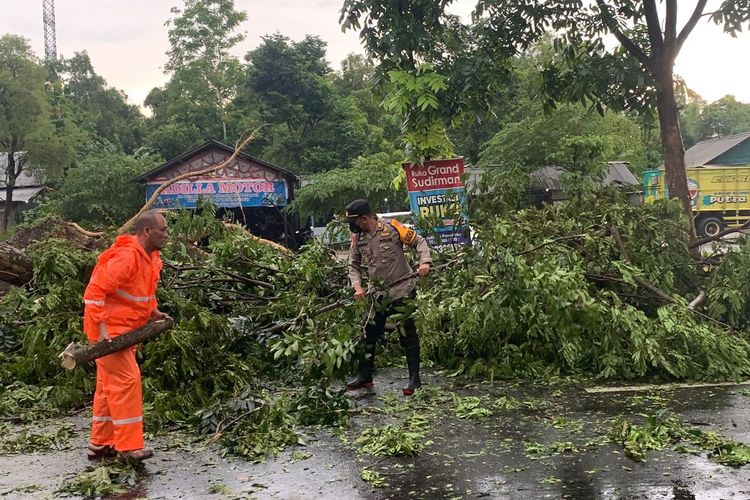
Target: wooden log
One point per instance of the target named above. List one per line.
(15, 266)
(77, 354)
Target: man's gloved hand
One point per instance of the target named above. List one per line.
(359, 292)
(424, 269)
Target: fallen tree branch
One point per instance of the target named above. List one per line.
(278, 246)
(245, 279)
(247, 262)
(613, 280)
(88, 234)
(223, 428)
(249, 296)
(281, 248)
(231, 278)
(697, 300)
(660, 293)
(601, 277)
(181, 269)
(338, 304)
(644, 283)
(278, 327)
(192, 247)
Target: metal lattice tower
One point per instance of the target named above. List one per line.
(50, 39)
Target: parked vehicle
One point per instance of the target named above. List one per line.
(720, 196)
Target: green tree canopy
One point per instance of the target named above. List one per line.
(411, 36)
(369, 177)
(98, 109)
(570, 136)
(99, 190)
(204, 76)
(28, 139)
(700, 120)
(313, 128)
(178, 123)
(634, 75)
(725, 116)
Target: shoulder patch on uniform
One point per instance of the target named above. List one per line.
(406, 234)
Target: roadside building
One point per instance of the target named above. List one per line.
(249, 191)
(729, 151)
(546, 183)
(26, 191)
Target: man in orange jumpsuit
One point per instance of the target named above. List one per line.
(120, 297)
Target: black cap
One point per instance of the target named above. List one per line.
(357, 208)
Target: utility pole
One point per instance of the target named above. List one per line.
(50, 39)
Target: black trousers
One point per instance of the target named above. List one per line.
(375, 328)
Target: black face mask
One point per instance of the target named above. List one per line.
(354, 228)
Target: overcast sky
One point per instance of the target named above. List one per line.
(127, 39)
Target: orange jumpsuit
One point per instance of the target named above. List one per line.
(122, 295)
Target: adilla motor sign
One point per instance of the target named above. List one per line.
(436, 191)
(222, 193)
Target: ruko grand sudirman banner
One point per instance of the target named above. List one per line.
(437, 192)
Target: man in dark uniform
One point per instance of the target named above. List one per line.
(378, 247)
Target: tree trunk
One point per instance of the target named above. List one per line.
(8, 212)
(76, 354)
(15, 266)
(671, 141)
(10, 184)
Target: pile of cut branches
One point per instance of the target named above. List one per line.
(594, 286)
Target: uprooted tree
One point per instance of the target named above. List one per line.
(262, 339)
(15, 266)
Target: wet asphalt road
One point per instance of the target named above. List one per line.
(484, 458)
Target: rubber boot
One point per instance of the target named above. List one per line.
(363, 380)
(412, 361)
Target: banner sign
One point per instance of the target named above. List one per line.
(436, 190)
(222, 193)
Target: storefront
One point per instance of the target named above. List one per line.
(249, 191)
